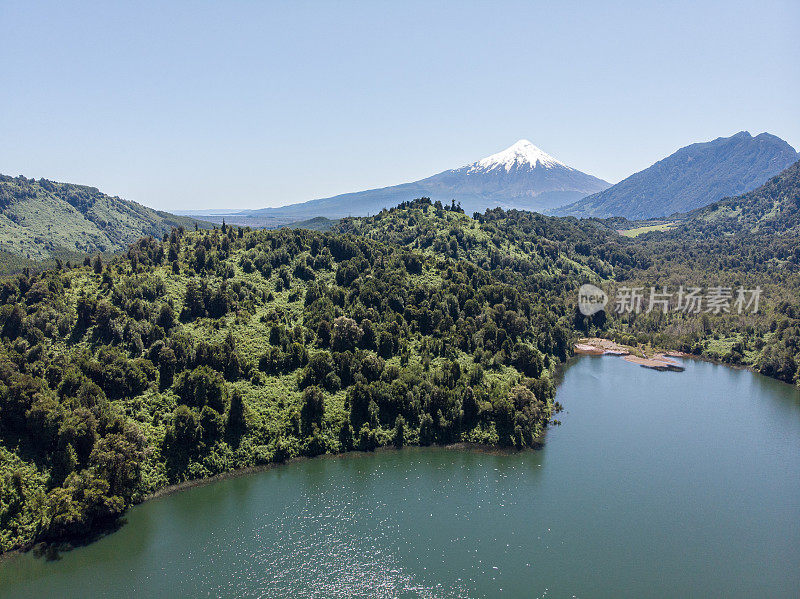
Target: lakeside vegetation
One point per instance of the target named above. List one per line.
(750, 241)
(214, 350)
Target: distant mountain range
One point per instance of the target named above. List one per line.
(41, 219)
(691, 178)
(522, 177)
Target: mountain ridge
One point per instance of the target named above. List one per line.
(691, 177)
(41, 219)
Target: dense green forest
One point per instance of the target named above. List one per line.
(772, 208)
(749, 241)
(213, 350)
(204, 351)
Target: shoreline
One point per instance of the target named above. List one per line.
(672, 353)
(56, 548)
(175, 488)
(614, 349)
(354, 454)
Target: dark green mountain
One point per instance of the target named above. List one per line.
(691, 178)
(44, 219)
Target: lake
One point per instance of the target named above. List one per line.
(658, 484)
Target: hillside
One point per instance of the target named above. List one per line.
(44, 219)
(224, 349)
(692, 177)
(539, 254)
(525, 249)
(522, 177)
(772, 208)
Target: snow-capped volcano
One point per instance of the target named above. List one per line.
(523, 153)
(522, 177)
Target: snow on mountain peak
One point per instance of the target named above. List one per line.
(522, 153)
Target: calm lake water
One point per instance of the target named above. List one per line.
(656, 485)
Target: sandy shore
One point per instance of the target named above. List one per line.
(596, 346)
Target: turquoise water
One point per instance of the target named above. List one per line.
(656, 485)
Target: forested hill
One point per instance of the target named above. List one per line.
(540, 254)
(41, 219)
(223, 349)
(772, 208)
(520, 247)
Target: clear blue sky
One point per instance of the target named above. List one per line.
(251, 104)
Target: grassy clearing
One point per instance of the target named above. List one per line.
(635, 232)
